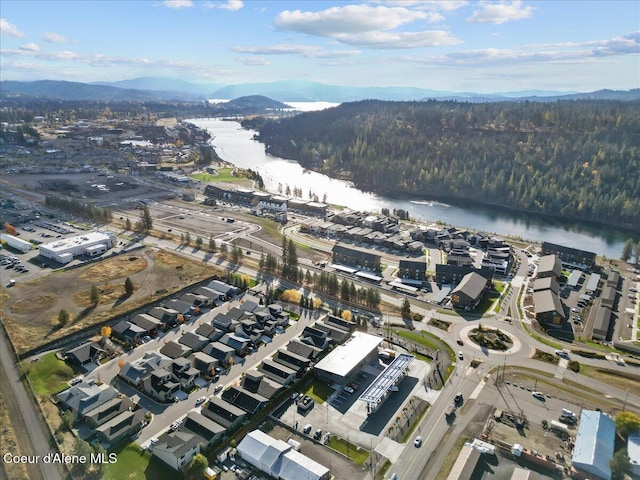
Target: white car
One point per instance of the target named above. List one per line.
(417, 442)
(538, 395)
(175, 425)
(201, 400)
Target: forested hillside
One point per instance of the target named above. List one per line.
(578, 159)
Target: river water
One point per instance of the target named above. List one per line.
(236, 145)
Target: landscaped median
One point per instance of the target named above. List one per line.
(432, 343)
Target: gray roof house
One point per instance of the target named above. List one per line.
(134, 372)
(223, 412)
(85, 396)
(174, 349)
(469, 292)
(220, 352)
(208, 431)
(176, 449)
(120, 427)
(194, 341)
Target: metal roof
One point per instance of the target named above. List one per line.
(343, 359)
(389, 376)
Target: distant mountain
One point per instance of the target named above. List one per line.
(307, 91)
(83, 91)
(249, 105)
(166, 89)
(162, 84)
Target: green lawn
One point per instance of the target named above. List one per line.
(224, 175)
(48, 375)
(319, 391)
(135, 464)
(421, 338)
(348, 449)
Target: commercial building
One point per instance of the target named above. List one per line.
(594, 444)
(633, 450)
(548, 308)
(89, 244)
(601, 324)
(15, 242)
(278, 459)
(344, 360)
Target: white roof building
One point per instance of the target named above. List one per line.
(346, 358)
(278, 459)
(633, 450)
(594, 444)
(92, 244)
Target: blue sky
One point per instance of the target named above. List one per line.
(474, 46)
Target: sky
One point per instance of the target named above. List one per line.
(451, 45)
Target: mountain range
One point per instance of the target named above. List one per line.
(167, 89)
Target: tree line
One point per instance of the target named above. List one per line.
(77, 207)
(572, 159)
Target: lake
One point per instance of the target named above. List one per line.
(237, 146)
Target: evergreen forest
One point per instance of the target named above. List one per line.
(570, 159)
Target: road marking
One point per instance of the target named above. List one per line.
(478, 389)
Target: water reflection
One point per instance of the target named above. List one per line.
(237, 146)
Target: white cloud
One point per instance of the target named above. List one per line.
(30, 47)
(10, 29)
(54, 38)
(391, 40)
(254, 61)
(346, 20)
(430, 5)
(497, 13)
(309, 51)
(177, 4)
(368, 27)
(232, 5)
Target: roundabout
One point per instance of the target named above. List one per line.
(511, 342)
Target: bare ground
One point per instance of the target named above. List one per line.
(31, 309)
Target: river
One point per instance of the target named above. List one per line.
(236, 145)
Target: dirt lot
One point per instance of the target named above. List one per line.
(30, 309)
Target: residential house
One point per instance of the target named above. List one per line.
(120, 427)
(546, 283)
(210, 331)
(84, 397)
(105, 412)
(194, 341)
(179, 306)
(549, 266)
(453, 274)
(208, 432)
(184, 373)
(601, 324)
(291, 360)
(277, 371)
(216, 298)
(548, 308)
(167, 316)
(134, 372)
(196, 300)
(173, 349)
(221, 352)
(244, 399)
(150, 323)
(469, 292)
(85, 354)
(127, 332)
(304, 349)
(160, 385)
(608, 297)
(177, 449)
(356, 257)
(238, 343)
(256, 382)
(570, 255)
(224, 413)
(204, 363)
(413, 270)
(228, 290)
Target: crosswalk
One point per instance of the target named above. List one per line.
(390, 449)
(562, 366)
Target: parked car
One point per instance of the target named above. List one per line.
(307, 428)
(201, 400)
(348, 389)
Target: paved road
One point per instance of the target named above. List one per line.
(31, 434)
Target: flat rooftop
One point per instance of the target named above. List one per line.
(84, 239)
(344, 358)
(389, 376)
